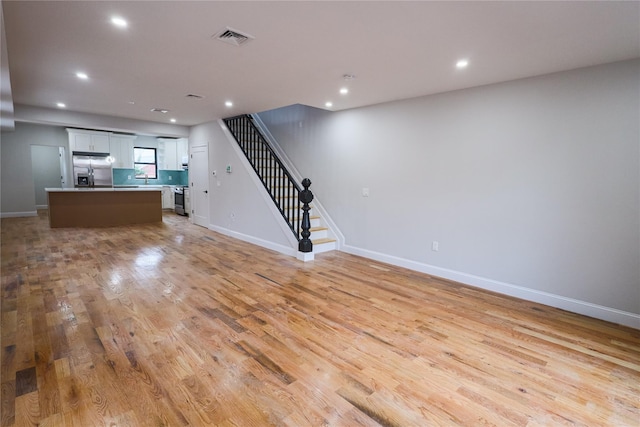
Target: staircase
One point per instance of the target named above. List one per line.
(278, 182)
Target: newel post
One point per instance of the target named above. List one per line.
(306, 196)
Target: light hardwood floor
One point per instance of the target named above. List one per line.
(172, 325)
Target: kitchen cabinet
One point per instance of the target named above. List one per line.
(182, 149)
(172, 152)
(167, 153)
(167, 198)
(122, 150)
(87, 141)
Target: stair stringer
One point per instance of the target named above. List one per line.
(262, 190)
(334, 231)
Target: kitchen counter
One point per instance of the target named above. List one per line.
(104, 207)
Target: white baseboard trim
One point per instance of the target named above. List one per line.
(570, 304)
(18, 214)
(256, 241)
(305, 256)
(42, 206)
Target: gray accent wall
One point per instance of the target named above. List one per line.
(531, 184)
(17, 186)
(18, 197)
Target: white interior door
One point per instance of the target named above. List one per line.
(45, 166)
(199, 183)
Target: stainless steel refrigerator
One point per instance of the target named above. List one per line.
(92, 170)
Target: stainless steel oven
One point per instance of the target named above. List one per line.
(179, 201)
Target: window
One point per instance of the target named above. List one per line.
(145, 162)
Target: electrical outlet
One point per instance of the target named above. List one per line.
(170, 177)
(435, 246)
(128, 176)
(365, 192)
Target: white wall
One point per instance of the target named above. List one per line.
(17, 189)
(237, 205)
(531, 187)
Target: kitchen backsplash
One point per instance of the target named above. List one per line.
(165, 177)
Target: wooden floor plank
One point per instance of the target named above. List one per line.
(171, 324)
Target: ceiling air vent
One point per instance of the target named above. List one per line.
(160, 110)
(193, 96)
(234, 37)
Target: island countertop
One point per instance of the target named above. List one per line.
(104, 207)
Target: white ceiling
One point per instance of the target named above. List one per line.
(299, 54)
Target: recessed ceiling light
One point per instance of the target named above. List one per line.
(119, 22)
(172, 120)
(82, 75)
(229, 104)
(344, 91)
(328, 104)
(463, 63)
(61, 105)
(132, 102)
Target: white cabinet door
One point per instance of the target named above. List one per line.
(182, 152)
(114, 150)
(167, 198)
(96, 142)
(100, 143)
(167, 158)
(80, 141)
(127, 153)
(187, 201)
(122, 150)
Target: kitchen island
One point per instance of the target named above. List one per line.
(103, 207)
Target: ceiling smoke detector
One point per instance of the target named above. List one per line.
(234, 37)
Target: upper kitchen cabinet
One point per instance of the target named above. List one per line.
(183, 153)
(122, 150)
(167, 153)
(88, 141)
(172, 153)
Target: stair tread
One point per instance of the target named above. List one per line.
(323, 240)
(318, 228)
